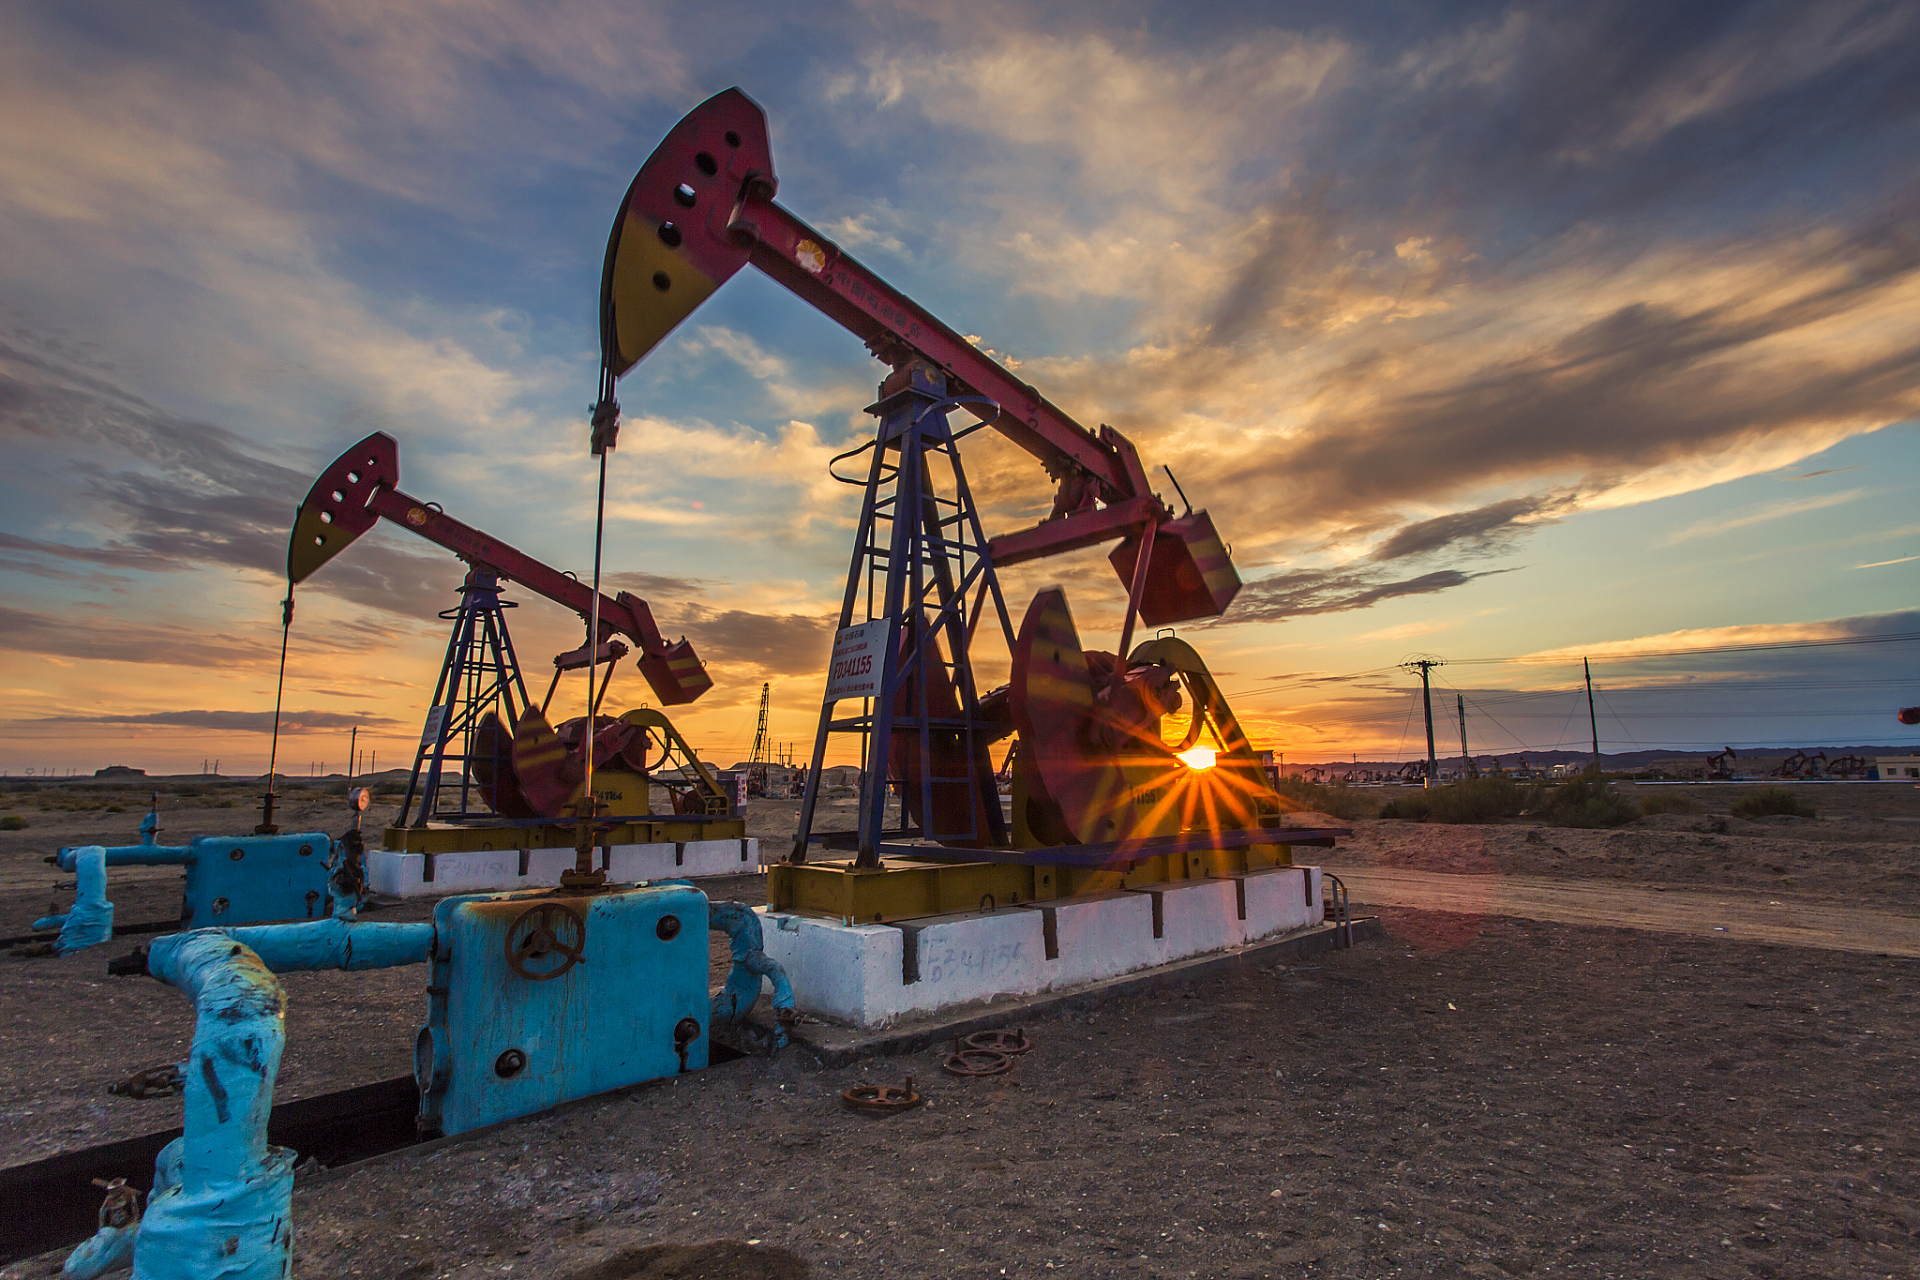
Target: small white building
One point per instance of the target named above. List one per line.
(1890, 768)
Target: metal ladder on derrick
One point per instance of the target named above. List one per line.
(919, 564)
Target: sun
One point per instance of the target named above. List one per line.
(1197, 757)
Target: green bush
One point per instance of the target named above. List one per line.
(1415, 806)
(1337, 801)
(1668, 802)
(1587, 801)
(13, 822)
(1467, 800)
(1478, 800)
(1769, 801)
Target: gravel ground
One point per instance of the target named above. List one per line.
(1474, 1096)
(1514, 1099)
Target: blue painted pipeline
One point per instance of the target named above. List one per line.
(750, 963)
(335, 943)
(134, 855)
(90, 921)
(222, 1198)
(105, 1250)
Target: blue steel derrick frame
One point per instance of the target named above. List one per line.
(479, 674)
(934, 558)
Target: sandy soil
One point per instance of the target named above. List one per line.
(1482, 1097)
(1863, 848)
(1749, 915)
(1479, 1095)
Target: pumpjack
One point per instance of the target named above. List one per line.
(1128, 767)
(488, 756)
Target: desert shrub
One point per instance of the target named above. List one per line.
(1668, 802)
(116, 808)
(228, 803)
(390, 789)
(1414, 806)
(1467, 800)
(1338, 801)
(1587, 801)
(13, 822)
(1477, 800)
(1768, 801)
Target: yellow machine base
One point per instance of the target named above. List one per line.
(912, 888)
(873, 975)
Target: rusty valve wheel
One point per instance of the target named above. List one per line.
(162, 1081)
(1012, 1043)
(882, 1099)
(545, 942)
(976, 1062)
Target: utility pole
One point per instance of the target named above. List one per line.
(1466, 761)
(353, 747)
(1425, 666)
(1592, 722)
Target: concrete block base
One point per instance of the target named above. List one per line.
(870, 975)
(406, 875)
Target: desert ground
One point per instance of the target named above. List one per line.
(1481, 1092)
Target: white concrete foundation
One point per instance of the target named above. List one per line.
(403, 875)
(870, 975)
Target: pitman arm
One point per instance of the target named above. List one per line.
(358, 489)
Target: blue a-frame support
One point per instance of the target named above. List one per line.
(919, 561)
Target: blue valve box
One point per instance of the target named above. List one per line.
(540, 997)
(248, 879)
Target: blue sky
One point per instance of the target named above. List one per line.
(1483, 331)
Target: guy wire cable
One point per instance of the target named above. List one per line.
(279, 687)
(606, 431)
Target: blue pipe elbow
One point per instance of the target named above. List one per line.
(222, 1197)
(108, 1249)
(90, 922)
(751, 963)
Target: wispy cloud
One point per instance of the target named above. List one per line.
(1311, 591)
(1758, 515)
(1768, 633)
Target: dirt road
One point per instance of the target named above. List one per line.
(1788, 919)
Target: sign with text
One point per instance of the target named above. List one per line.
(859, 657)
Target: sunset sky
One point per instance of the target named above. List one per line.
(1485, 331)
